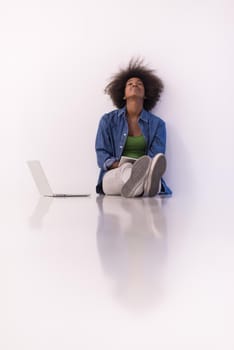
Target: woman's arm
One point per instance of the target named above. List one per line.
(103, 145)
(158, 141)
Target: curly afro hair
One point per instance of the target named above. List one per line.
(153, 85)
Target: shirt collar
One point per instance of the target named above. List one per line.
(143, 115)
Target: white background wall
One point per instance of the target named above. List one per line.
(57, 56)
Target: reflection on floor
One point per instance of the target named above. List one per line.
(112, 273)
(132, 243)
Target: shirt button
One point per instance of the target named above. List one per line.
(125, 134)
(120, 146)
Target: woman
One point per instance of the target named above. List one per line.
(132, 131)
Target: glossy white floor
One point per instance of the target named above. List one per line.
(114, 273)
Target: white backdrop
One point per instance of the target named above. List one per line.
(57, 56)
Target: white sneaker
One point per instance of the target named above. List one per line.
(156, 171)
(135, 185)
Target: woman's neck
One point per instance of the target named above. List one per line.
(134, 108)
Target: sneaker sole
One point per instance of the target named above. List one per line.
(155, 174)
(139, 172)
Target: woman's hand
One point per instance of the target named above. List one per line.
(114, 165)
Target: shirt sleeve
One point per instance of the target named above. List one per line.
(103, 146)
(158, 143)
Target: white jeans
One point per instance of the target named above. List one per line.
(114, 179)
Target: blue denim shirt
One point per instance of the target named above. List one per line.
(112, 134)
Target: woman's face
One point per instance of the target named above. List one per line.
(134, 88)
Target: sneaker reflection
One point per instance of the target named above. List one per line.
(132, 243)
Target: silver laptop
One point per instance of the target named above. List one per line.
(42, 183)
